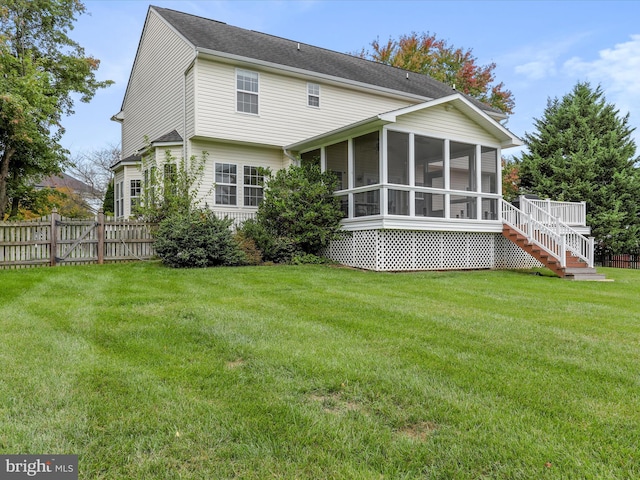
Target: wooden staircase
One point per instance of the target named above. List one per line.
(575, 269)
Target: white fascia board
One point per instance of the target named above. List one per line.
(167, 144)
(214, 54)
(330, 136)
(466, 107)
(380, 222)
(118, 117)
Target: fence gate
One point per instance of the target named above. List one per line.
(55, 240)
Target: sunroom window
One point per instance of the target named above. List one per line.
(337, 157)
(489, 169)
(398, 157)
(463, 167)
(366, 159)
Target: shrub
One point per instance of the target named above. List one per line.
(298, 216)
(197, 239)
(253, 255)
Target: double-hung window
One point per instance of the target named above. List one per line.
(226, 184)
(247, 91)
(253, 186)
(313, 94)
(135, 192)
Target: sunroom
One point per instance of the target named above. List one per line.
(420, 187)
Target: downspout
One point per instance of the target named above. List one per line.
(184, 106)
(290, 156)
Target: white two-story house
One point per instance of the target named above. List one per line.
(418, 163)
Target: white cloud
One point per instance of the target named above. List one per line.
(537, 69)
(538, 61)
(617, 68)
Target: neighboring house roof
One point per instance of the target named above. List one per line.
(65, 181)
(211, 36)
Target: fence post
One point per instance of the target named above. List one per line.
(100, 233)
(53, 241)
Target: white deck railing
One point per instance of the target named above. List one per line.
(547, 231)
(238, 217)
(571, 213)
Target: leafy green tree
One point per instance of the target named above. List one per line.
(582, 150)
(169, 186)
(299, 212)
(424, 53)
(42, 71)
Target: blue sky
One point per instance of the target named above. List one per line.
(541, 48)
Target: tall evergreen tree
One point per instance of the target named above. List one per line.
(583, 151)
(108, 205)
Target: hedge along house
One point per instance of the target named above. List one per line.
(418, 163)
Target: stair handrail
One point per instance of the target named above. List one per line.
(579, 245)
(536, 232)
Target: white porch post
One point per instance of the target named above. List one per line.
(447, 179)
(478, 181)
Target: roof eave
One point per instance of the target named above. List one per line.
(200, 51)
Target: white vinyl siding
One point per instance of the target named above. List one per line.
(154, 102)
(438, 122)
(283, 118)
(124, 179)
(240, 155)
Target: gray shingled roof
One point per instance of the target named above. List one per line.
(172, 136)
(218, 36)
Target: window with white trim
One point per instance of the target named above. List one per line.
(136, 187)
(226, 184)
(313, 94)
(117, 199)
(253, 186)
(247, 83)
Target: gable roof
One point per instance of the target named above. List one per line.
(456, 100)
(211, 36)
(64, 180)
(172, 137)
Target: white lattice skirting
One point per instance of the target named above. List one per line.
(398, 250)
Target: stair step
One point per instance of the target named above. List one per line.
(576, 269)
(592, 277)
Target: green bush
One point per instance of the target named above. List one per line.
(197, 239)
(253, 255)
(299, 215)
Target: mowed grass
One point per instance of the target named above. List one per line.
(321, 372)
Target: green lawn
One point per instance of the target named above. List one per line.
(321, 372)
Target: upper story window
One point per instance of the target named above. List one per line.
(226, 184)
(247, 84)
(313, 94)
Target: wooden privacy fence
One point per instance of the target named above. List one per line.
(55, 240)
(626, 260)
